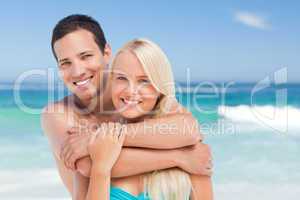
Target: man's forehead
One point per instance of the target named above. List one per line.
(75, 43)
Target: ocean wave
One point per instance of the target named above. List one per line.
(31, 184)
(282, 119)
(45, 184)
(250, 191)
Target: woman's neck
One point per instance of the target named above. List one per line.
(124, 120)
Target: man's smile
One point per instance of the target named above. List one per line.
(83, 82)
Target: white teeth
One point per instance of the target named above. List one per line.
(131, 102)
(82, 82)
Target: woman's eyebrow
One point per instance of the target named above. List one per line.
(118, 73)
(142, 76)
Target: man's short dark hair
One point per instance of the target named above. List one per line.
(76, 22)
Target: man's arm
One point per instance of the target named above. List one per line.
(80, 186)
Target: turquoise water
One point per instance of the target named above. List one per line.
(252, 154)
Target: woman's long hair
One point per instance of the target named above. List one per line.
(167, 184)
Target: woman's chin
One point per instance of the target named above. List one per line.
(132, 116)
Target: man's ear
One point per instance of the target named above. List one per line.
(107, 53)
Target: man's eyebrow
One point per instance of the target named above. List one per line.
(63, 60)
(80, 54)
(85, 52)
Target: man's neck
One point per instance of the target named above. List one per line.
(100, 104)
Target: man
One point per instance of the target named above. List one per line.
(82, 53)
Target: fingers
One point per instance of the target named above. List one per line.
(104, 129)
(122, 135)
(111, 130)
(208, 171)
(200, 137)
(74, 130)
(70, 161)
(64, 149)
(119, 133)
(209, 168)
(66, 157)
(93, 137)
(210, 163)
(118, 130)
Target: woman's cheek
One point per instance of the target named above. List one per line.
(116, 92)
(151, 94)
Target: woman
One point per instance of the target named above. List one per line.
(142, 87)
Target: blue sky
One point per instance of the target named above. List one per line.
(216, 40)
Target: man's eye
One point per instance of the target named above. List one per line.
(65, 64)
(86, 56)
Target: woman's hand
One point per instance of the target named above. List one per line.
(105, 146)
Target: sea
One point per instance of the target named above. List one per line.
(253, 131)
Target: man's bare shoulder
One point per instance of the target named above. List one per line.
(59, 107)
(57, 114)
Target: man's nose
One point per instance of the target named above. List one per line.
(78, 70)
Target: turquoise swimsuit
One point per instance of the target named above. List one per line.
(119, 194)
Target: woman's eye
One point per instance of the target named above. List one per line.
(121, 78)
(144, 81)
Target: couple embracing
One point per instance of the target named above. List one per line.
(121, 134)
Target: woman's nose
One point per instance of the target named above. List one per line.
(133, 88)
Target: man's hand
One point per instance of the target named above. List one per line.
(196, 159)
(74, 147)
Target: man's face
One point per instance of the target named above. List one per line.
(81, 63)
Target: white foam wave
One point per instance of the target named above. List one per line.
(282, 119)
(250, 191)
(31, 184)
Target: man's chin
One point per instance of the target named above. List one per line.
(86, 96)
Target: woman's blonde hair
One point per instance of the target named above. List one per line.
(168, 184)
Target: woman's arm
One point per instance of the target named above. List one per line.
(130, 162)
(104, 151)
(202, 187)
(99, 186)
(174, 129)
(166, 132)
(94, 188)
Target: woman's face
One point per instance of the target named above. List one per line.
(132, 93)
